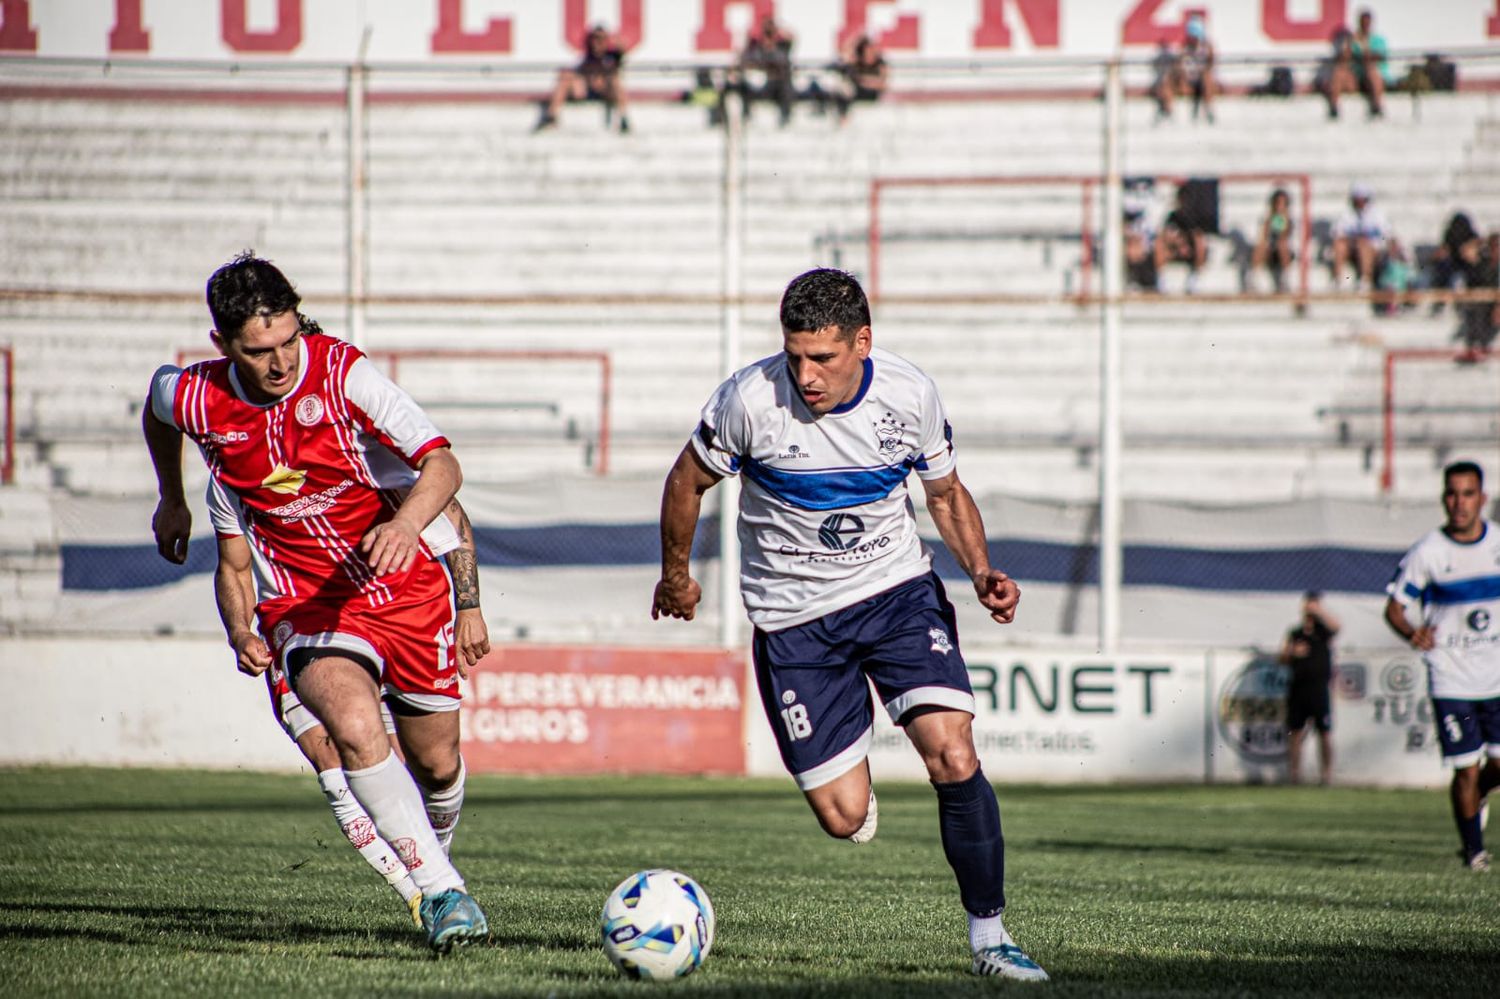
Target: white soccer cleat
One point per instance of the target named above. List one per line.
(1008, 961)
(866, 832)
(1479, 862)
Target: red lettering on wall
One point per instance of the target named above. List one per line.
(1040, 17)
(904, 35)
(627, 31)
(16, 32)
(714, 35)
(451, 37)
(129, 34)
(1279, 26)
(1492, 24)
(284, 38)
(1142, 28)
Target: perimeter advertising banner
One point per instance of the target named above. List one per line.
(560, 709)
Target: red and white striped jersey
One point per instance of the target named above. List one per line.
(304, 478)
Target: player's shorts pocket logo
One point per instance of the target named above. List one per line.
(283, 632)
(940, 642)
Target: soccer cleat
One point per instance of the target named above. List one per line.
(1008, 961)
(1478, 862)
(415, 905)
(453, 918)
(866, 832)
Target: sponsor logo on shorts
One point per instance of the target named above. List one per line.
(788, 696)
(309, 410)
(940, 642)
(282, 634)
(444, 682)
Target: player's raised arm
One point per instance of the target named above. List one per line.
(392, 546)
(677, 593)
(172, 522)
(234, 592)
(962, 529)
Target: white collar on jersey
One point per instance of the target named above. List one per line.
(239, 390)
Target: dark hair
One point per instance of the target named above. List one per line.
(1313, 595)
(246, 287)
(1463, 468)
(825, 297)
(1280, 192)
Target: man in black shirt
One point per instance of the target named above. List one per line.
(1307, 651)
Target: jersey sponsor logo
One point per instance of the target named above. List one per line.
(793, 451)
(309, 410)
(940, 642)
(1479, 620)
(230, 437)
(310, 506)
(841, 531)
(284, 480)
(888, 431)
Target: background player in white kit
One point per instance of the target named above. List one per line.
(337, 482)
(1452, 575)
(840, 587)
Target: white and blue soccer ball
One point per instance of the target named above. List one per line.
(657, 924)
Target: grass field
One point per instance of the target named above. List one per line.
(183, 883)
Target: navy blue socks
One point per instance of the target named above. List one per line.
(969, 817)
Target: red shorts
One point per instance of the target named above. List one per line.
(409, 640)
(293, 716)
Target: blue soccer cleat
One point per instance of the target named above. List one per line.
(1008, 961)
(452, 919)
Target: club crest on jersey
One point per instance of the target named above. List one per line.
(284, 480)
(309, 410)
(940, 642)
(888, 434)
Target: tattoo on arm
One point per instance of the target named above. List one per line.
(462, 562)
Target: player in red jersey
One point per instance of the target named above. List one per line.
(337, 482)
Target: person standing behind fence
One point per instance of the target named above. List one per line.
(1308, 650)
(1451, 576)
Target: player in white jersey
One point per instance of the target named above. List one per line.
(336, 482)
(1452, 577)
(840, 587)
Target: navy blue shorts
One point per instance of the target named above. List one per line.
(813, 684)
(1464, 727)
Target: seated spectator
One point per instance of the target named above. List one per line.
(1140, 249)
(595, 78)
(1187, 72)
(1184, 240)
(1361, 238)
(1457, 258)
(1479, 321)
(1273, 250)
(863, 74)
(705, 93)
(1358, 63)
(764, 68)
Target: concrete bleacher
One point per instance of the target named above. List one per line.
(472, 213)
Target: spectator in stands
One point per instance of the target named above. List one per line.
(1187, 72)
(1457, 258)
(1184, 240)
(1273, 250)
(1140, 249)
(764, 68)
(1358, 63)
(863, 74)
(1361, 238)
(595, 78)
(1479, 321)
(1307, 649)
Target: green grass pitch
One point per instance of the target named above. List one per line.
(151, 883)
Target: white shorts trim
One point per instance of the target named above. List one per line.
(429, 703)
(1464, 761)
(941, 697)
(839, 765)
(333, 640)
(297, 719)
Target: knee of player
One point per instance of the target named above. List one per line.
(953, 762)
(841, 825)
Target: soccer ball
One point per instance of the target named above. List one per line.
(657, 924)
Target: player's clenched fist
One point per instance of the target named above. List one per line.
(252, 655)
(998, 593)
(676, 597)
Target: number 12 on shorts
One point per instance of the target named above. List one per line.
(796, 722)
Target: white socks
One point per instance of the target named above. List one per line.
(391, 798)
(360, 831)
(443, 807)
(986, 931)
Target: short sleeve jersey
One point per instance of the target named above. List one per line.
(1368, 224)
(1311, 673)
(1456, 586)
(825, 519)
(306, 477)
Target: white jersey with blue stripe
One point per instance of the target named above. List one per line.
(825, 519)
(1457, 586)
